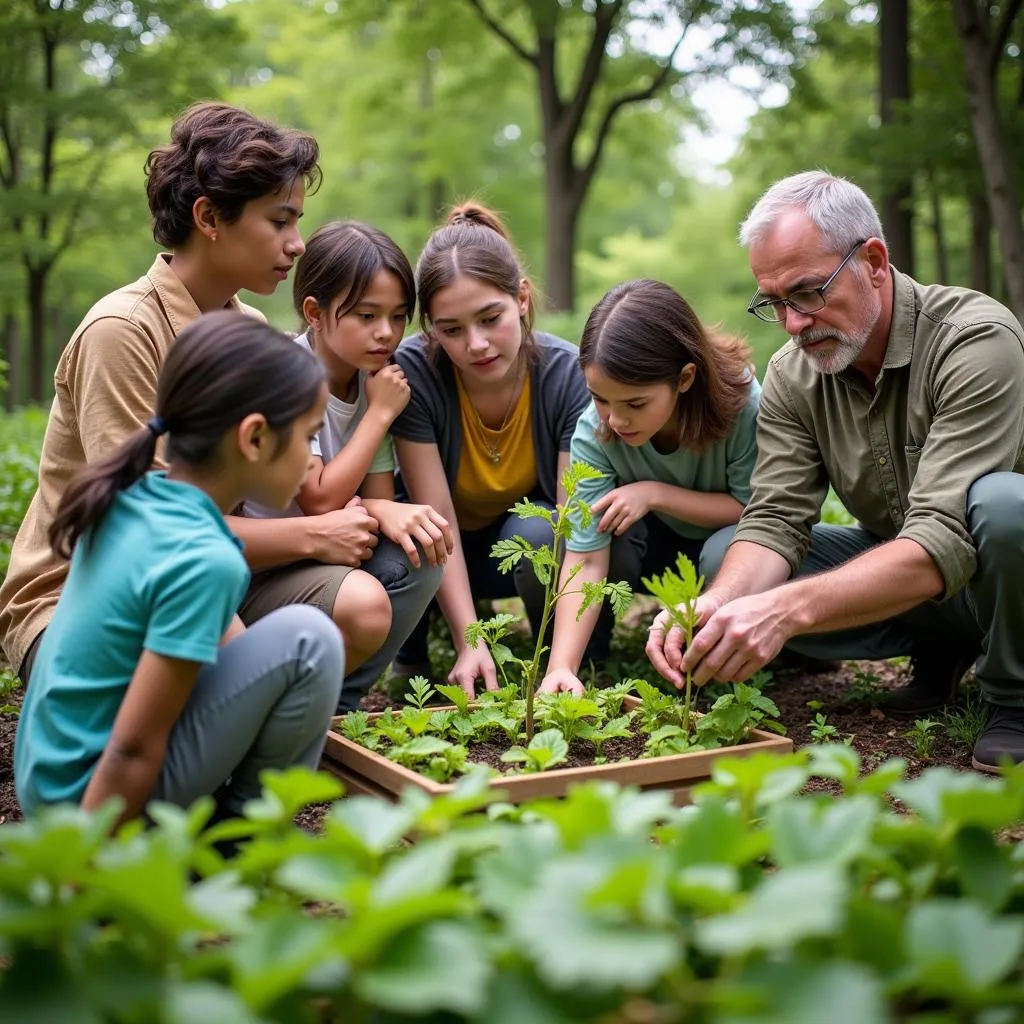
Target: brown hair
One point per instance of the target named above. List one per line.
(341, 259)
(475, 243)
(644, 332)
(221, 368)
(227, 155)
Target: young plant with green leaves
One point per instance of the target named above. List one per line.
(821, 730)
(546, 750)
(923, 737)
(546, 563)
(677, 592)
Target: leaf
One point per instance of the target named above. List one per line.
(808, 830)
(375, 825)
(596, 949)
(836, 761)
(192, 1001)
(840, 993)
(715, 832)
(509, 551)
(793, 904)
(946, 797)
(223, 902)
(983, 866)
(955, 946)
(424, 868)
(456, 694)
(277, 953)
(442, 965)
(38, 987)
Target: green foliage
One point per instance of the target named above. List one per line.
(546, 562)
(755, 905)
(9, 682)
(921, 734)
(21, 437)
(865, 689)
(821, 730)
(964, 723)
(546, 750)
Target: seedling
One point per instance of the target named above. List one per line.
(546, 562)
(965, 723)
(821, 731)
(677, 592)
(921, 735)
(545, 750)
(616, 728)
(865, 689)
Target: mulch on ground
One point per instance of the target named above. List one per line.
(875, 737)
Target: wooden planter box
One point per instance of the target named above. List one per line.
(366, 772)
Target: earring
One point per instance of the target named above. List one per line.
(213, 236)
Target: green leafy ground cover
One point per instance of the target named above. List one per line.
(758, 905)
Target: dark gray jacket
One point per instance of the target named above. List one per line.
(558, 394)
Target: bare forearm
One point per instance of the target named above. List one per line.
(572, 631)
(885, 581)
(711, 510)
(129, 776)
(340, 478)
(270, 542)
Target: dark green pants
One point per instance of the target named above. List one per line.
(987, 612)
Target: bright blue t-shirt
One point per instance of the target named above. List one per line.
(723, 468)
(161, 573)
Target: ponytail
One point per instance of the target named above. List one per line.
(473, 243)
(90, 495)
(222, 367)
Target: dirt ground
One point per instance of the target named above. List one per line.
(795, 691)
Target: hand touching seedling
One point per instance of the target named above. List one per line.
(546, 562)
(677, 592)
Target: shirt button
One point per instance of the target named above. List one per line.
(881, 461)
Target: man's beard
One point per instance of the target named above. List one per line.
(844, 349)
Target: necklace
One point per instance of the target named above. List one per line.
(493, 451)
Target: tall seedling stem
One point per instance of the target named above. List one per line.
(546, 562)
(677, 592)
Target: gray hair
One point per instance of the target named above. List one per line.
(840, 210)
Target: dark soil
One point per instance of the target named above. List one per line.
(875, 737)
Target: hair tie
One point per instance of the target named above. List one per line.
(156, 426)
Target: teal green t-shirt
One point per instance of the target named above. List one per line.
(161, 573)
(724, 468)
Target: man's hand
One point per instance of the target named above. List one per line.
(387, 391)
(738, 639)
(474, 663)
(346, 536)
(405, 524)
(621, 508)
(561, 680)
(665, 646)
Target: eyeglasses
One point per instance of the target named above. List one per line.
(806, 300)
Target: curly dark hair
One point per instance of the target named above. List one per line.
(228, 155)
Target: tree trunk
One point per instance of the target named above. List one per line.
(12, 350)
(36, 294)
(1000, 190)
(938, 233)
(562, 211)
(981, 245)
(894, 88)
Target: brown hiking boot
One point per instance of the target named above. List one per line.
(934, 674)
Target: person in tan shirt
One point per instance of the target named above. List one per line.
(909, 400)
(225, 195)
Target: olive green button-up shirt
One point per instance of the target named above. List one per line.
(948, 408)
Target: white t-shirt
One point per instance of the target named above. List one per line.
(340, 421)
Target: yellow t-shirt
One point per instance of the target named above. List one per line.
(496, 467)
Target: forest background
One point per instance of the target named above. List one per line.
(581, 121)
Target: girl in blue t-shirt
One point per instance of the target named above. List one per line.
(671, 428)
(146, 686)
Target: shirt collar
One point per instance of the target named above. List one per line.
(904, 316)
(179, 306)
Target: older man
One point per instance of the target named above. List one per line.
(909, 400)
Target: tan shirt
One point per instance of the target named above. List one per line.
(948, 408)
(105, 390)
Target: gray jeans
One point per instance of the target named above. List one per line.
(987, 613)
(266, 703)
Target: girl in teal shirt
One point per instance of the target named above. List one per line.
(671, 428)
(145, 685)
